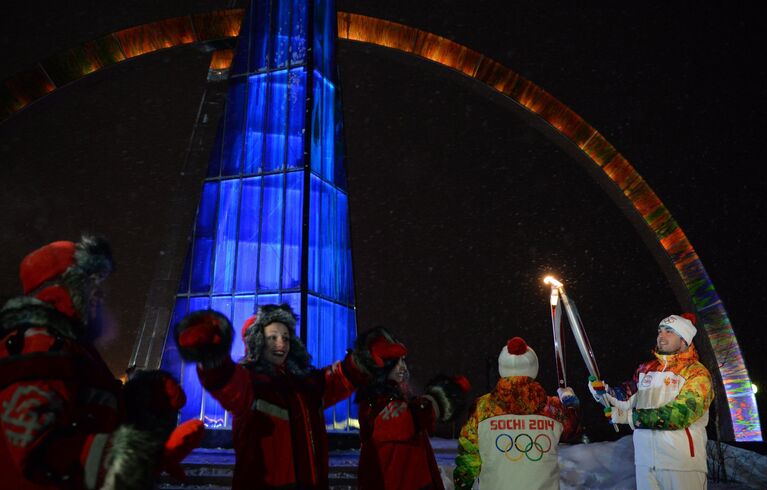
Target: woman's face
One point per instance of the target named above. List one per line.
(277, 344)
(399, 372)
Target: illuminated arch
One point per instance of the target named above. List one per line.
(689, 278)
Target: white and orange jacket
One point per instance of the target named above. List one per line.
(669, 400)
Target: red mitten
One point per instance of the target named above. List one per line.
(462, 382)
(181, 442)
(200, 335)
(152, 400)
(382, 349)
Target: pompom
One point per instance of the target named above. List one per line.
(691, 317)
(516, 346)
(463, 383)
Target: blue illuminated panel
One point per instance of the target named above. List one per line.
(258, 238)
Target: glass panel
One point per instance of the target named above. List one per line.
(203, 241)
(259, 44)
(271, 234)
(234, 126)
(291, 249)
(242, 48)
(298, 35)
(312, 327)
(276, 121)
(226, 237)
(247, 251)
(214, 163)
(282, 34)
(183, 287)
(254, 135)
(294, 300)
(189, 379)
(214, 413)
(244, 308)
(344, 280)
(324, 36)
(323, 127)
(328, 243)
(297, 116)
(171, 360)
(339, 177)
(314, 265)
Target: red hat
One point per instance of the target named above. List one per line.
(62, 273)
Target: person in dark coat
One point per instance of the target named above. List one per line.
(65, 421)
(395, 452)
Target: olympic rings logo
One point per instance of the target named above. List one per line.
(524, 445)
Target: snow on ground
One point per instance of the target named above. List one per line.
(610, 465)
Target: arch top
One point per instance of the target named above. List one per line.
(23, 88)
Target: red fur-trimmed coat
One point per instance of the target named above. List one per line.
(278, 425)
(58, 402)
(395, 452)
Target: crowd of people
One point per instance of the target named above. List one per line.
(66, 422)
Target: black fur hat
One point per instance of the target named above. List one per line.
(298, 361)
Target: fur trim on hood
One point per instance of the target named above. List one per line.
(24, 311)
(298, 362)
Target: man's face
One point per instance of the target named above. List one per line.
(668, 342)
(277, 344)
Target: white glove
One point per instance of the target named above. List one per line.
(622, 404)
(567, 396)
(622, 416)
(594, 393)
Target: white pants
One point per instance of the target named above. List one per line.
(652, 479)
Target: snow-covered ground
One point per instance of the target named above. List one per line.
(610, 465)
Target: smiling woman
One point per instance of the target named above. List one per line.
(690, 280)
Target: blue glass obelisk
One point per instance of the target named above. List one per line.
(272, 225)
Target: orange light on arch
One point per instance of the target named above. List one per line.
(21, 89)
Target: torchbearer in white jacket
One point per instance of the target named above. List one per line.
(666, 404)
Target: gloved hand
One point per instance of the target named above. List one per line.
(448, 395)
(204, 337)
(382, 349)
(597, 388)
(152, 400)
(199, 335)
(619, 415)
(568, 398)
(185, 438)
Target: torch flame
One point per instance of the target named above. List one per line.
(552, 281)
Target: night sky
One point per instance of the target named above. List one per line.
(458, 206)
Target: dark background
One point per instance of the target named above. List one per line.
(458, 206)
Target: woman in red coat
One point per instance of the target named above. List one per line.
(395, 451)
(276, 397)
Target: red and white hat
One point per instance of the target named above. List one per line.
(517, 359)
(682, 324)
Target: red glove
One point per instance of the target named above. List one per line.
(381, 350)
(200, 335)
(181, 442)
(462, 382)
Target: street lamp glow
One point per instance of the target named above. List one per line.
(754, 389)
(552, 281)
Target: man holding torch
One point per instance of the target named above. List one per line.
(666, 404)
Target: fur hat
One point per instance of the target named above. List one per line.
(517, 359)
(682, 325)
(364, 359)
(298, 361)
(65, 274)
